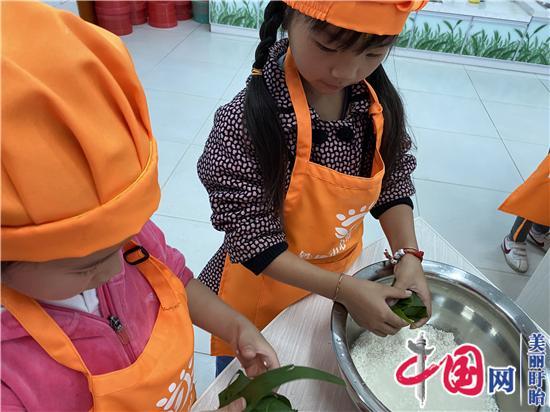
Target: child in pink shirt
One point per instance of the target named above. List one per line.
(97, 308)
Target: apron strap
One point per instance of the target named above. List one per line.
(375, 111)
(301, 109)
(43, 329)
(150, 267)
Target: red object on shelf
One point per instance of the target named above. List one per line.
(184, 10)
(162, 14)
(114, 16)
(138, 12)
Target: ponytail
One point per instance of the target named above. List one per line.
(394, 137)
(261, 114)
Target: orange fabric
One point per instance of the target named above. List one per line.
(531, 200)
(382, 17)
(77, 147)
(166, 361)
(323, 215)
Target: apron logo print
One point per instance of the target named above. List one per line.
(178, 391)
(348, 221)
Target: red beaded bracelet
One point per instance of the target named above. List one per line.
(402, 252)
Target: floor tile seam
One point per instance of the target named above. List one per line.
(496, 128)
(462, 185)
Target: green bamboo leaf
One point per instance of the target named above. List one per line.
(274, 403)
(232, 392)
(410, 309)
(449, 25)
(399, 312)
(262, 386)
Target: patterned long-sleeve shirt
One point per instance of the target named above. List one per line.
(230, 171)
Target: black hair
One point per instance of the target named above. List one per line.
(261, 113)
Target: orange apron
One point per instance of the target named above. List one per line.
(531, 200)
(323, 215)
(162, 376)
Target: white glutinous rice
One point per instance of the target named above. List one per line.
(377, 358)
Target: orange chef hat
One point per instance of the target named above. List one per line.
(382, 17)
(79, 162)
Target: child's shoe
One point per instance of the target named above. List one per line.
(541, 240)
(515, 254)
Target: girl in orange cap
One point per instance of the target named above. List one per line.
(98, 310)
(295, 161)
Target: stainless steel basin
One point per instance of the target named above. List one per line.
(475, 311)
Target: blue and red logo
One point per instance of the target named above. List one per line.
(464, 371)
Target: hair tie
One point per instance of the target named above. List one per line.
(257, 72)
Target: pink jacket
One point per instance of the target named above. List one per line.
(33, 381)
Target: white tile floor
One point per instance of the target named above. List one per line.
(479, 132)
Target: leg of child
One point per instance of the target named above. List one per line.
(520, 229)
(539, 236)
(514, 247)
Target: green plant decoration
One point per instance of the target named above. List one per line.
(233, 13)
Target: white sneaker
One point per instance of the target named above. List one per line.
(541, 240)
(515, 254)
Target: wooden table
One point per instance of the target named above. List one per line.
(301, 333)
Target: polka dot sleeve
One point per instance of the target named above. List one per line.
(399, 184)
(231, 175)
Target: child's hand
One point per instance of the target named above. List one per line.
(253, 351)
(366, 301)
(236, 406)
(410, 275)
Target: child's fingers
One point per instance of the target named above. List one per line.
(389, 329)
(247, 352)
(396, 293)
(270, 360)
(420, 323)
(395, 321)
(392, 320)
(391, 302)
